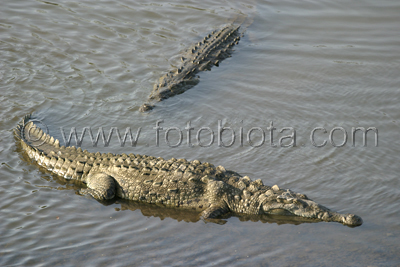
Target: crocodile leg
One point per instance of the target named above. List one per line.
(101, 186)
(215, 210)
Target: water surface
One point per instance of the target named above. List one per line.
(300, 64)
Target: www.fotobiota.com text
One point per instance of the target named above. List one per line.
(218, 135)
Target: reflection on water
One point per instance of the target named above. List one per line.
(162, 212)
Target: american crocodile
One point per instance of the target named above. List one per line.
(215, 47)
(212, 191)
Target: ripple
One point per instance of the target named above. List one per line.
(300, 65)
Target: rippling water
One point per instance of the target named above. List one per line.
(300, 64)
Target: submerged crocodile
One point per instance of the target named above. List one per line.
(212, 191)
(202, 56)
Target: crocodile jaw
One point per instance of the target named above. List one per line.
(308, 209)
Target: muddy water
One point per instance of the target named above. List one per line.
(329, 64)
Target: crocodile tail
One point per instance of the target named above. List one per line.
(47, 152)
(243, 21)
(30, 134)
(34, 141)
(19, 132)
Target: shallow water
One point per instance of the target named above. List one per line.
(300, 64)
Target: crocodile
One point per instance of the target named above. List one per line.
(201, 187)
(210, 51)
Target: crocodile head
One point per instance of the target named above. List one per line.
(290, 203)
(146, 107)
